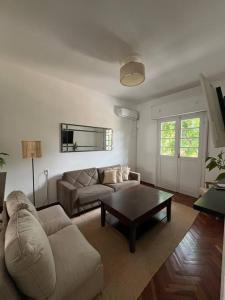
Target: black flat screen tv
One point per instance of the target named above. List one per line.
(215, 105)
(67, 137)
(221, 102)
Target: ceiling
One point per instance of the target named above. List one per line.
(84, 41)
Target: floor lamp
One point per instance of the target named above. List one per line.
(31, 149)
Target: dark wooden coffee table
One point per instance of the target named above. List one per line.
(134, 206)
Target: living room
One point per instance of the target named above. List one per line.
(122, 81)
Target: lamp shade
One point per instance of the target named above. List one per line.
(132, 73)
(31, 149)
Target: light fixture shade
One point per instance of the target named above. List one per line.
(132, 73)
(31, 149)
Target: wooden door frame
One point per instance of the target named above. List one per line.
(204, 144)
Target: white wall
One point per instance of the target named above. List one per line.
(33, 105)
(188, 101)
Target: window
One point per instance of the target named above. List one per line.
(168, 132)
(189, 138)
(108, 140)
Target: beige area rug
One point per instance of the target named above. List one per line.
(127, 274)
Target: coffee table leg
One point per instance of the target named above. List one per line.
(168, 208)
(102, 214)
(132, 238)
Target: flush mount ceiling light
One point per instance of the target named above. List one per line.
(132, 73)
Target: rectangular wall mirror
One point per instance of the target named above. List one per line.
(81, 138)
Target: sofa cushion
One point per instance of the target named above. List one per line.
(81, 178)
(53, 219)
(123, 185)
(93, 192)
(75, 263)
(119, 175)
(125, 173)
(101, 171)
(91, 287)
(8, 289)
(28, 256)
(14, 201)
(110, 176)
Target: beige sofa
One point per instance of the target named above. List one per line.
(44, 256)
(81, 190)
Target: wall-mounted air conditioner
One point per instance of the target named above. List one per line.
(126, 113)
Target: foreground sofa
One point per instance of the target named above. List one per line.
(44, 256)
(81, 190)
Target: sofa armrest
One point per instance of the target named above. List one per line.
(67, 196)
(134, 176)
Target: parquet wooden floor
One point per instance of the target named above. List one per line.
(193, 270)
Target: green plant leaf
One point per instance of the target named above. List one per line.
(212, 165)
(220, 155)
(220, 176)
(2, 162)
(208, 158)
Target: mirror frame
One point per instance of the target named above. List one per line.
(69, 124)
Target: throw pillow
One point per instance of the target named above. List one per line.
(119, 175)
(28, 256)
(125, 173)
(14, 201)
(109, 176)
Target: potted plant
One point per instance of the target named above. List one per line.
(217, 162)
(2, 178)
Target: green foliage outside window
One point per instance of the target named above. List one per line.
(168, 132)
(189, 133)
(190, 123)
(168, 125)
(189, 138)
